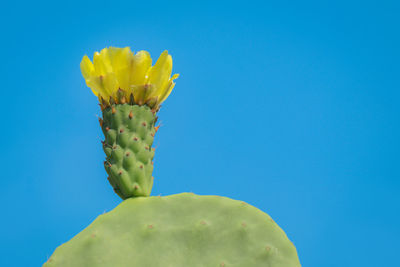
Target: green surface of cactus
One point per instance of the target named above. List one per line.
(129, 132)
(179, 231)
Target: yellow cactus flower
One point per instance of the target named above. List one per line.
(117, 75)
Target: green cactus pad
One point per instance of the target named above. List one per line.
(129, 132)
(179, 231)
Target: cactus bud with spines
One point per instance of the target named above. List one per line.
(130, 91)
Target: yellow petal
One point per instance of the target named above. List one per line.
(141, 92)
(160, 72)
(164, 93)
(118, 57)
(101, 62)
(110, 83)
(121, 60)
(97, 87)
(167, 92)
(88, 72)
(140, 65)
(87, 67)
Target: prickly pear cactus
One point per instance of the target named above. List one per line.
(179, 230)
(172, 231)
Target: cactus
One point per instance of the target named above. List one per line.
(179, 230)
(130, 92)
(172, 231)
(129, 132)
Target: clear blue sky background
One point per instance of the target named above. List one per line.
(292, 107)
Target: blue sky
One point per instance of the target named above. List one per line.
(291, 106)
